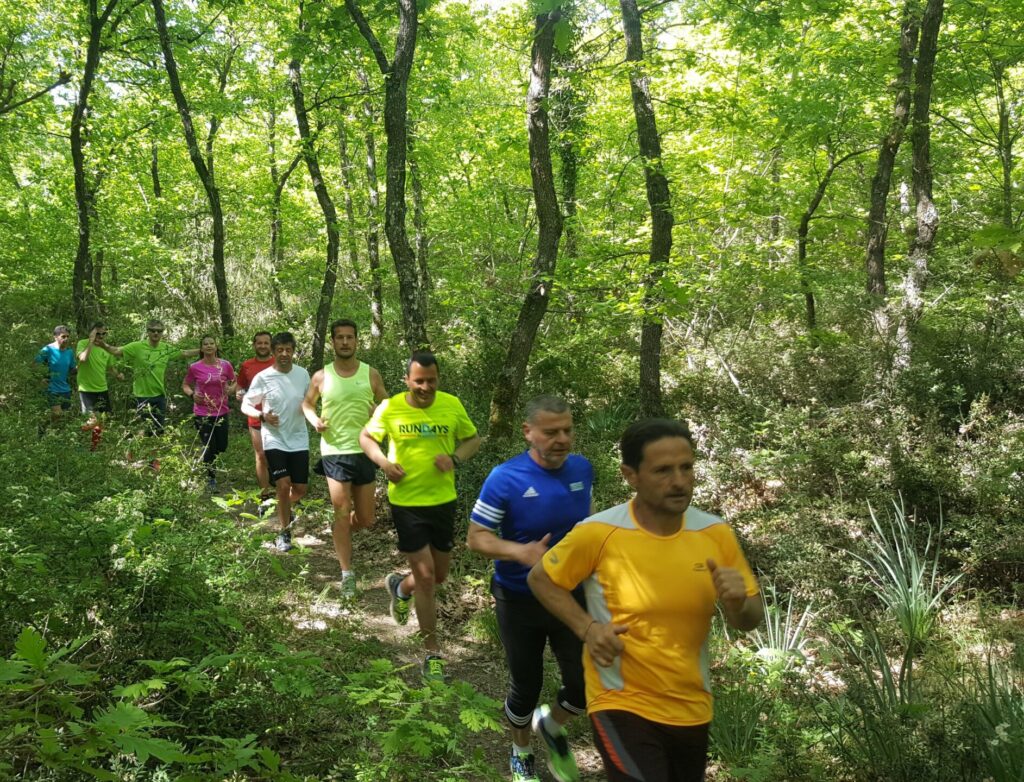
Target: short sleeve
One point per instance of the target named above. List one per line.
(732, 555)
(43, 357)
(576, 556)
(229, 371)
(490, 508)
(377, 426)
(254, 396)
(464, 428)
(131, 351)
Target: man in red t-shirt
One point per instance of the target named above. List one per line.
(246, 372)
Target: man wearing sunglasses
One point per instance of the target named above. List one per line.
(148, 359)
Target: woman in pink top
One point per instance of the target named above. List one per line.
(208, 382)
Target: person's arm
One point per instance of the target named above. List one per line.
(190, 353)
(485, 541)
(111, 349)
(375, 454)
(464, 451)
(84, 355)
(601, 638)
(380, 393)
(310, 399)
(254, 396)
(742, 611)
(186, 387)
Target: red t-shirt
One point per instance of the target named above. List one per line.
(246, 372)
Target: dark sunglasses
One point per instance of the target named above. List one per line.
(155, 331)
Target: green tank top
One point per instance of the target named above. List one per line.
(345, 403)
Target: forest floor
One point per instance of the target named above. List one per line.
(471, 656)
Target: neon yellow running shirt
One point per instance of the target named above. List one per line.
(345, 403)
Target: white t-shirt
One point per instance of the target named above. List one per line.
(282, 393)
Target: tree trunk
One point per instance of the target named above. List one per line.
(202, 171)
(926, 215)
(372, 218)
(82, 293)
(396, 102)
(890, 145)
(350, 214)
(549, 230)
(1004, 142)
(278, 181)
(419, 221)
(803, 229)
(659, 199)
(323, 309)
(567, 119)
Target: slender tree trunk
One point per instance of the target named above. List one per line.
(889, 147)
(1004, 142)
(396, 104)
(659, 199)
(419, 222)
(82, 292)
(804, 228)
(323, 310)
(549, 230)
(927, 214)
(158, 192)
(202, 171)
(567, 119)
(372, 218)
(350, 214)
(278, 181)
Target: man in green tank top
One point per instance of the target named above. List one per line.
(348, 391)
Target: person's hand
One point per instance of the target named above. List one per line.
(531, 553)
(603, 642)
(444, 462)
(271, 418)
(394, 472)
(729, 586)
(320, 424)
(95, 338)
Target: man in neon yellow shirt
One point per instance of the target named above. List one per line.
(349, 391)
(148, 359)
(94, 361)
(652, 571)
(429, 436)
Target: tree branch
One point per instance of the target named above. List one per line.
(367, 33)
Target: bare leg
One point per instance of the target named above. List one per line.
(429, 569)
(364, 508)
(262, 471)
(341, 527)
(284, 502)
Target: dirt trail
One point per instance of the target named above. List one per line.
(481, 663)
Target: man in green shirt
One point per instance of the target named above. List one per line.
(348, 391)
(148, 359)
(429, 436)
(94, 362)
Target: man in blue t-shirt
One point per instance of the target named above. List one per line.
(531, 502)
(59, 359)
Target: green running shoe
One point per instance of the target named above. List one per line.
(561, 763)
(523, 768)
(349, 587)
(399, 607)
(433, 668)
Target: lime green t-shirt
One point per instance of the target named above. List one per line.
(415, 437)
(345, 403)
(149, 365)
(92, 373)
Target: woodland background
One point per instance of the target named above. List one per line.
(794, 224)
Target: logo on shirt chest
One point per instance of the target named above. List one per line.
(422, 430)
(531, 492)
(576, 486)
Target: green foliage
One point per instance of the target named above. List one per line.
(999, 721)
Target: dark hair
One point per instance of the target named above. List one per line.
(262, 334)
(61, 330)
(98, 325)
(282, 338)
(545, 403)
(154, 322)
(424, 358)
(344, 322)
(640, 433)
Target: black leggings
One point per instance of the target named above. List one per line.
(525, 626)
(635, 749)
(213, 436)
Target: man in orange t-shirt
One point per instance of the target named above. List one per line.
(246, 372)
(652, 571)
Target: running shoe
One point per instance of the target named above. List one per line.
(399, 606)
(266, 506)
(523, 768)
(561, 763)
(284, 541)
(433, 668)
(349, 587)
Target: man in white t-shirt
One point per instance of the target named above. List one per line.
(280, 390)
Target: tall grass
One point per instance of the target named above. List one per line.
(782, 639)
(999, 720)
(907, 579)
